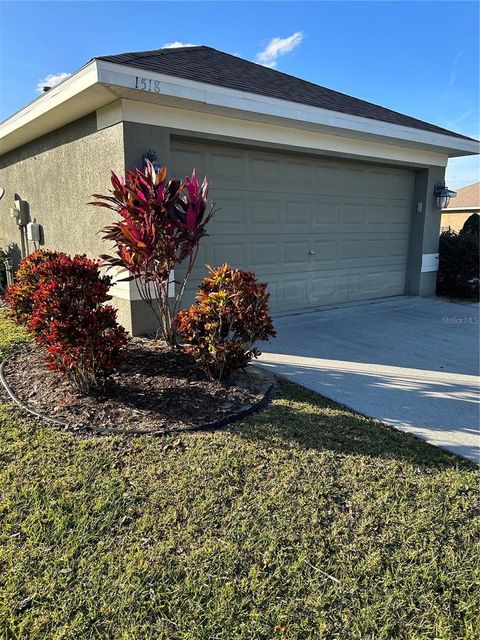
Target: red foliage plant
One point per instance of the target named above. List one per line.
(19, 296)
(161, 224)
(229, 317)
(81, 335)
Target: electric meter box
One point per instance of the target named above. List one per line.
(33, 232)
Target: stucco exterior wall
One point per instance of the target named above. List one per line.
(424, 233)
(139, 138)
(56, 175)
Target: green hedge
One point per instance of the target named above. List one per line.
(458, 270)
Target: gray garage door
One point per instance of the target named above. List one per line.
(318, 231)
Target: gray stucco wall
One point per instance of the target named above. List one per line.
(139, 138)
(57, 175)
(424, 233)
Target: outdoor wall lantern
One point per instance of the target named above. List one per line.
(443, 195)
(152, 156)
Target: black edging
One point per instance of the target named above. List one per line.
(211, 426)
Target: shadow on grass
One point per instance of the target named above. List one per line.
(310, 421)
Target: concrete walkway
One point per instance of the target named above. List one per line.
(410, 362)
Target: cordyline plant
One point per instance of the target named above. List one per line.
(161, 224)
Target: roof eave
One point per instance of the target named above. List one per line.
(99, 82)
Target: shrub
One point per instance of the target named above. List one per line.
(83, 339)
(458, 274)
(19, 296)
(230, 316)
(160, 225)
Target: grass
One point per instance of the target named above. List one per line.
(306, 521)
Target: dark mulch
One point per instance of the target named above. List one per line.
(157, 389)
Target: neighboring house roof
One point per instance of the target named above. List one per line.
(468, 198)
(204, 64)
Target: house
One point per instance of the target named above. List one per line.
(462, 207)
(328, 198)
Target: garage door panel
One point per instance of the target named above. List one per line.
(376, 249)
(327, 178)
(351, 252)
(373, 283)
(295, 252)
(298, 214)
(400, 216)
(264, 171)
(185, 159)
(324, 288)
(380, 183)
(395, 278)
(397, 247)
(266, 213)
(384, 247)
(318, 231)
(299, 173)
(353, 217)
(232, 252)
(357, 180)
(326, 251)
(326, 215)
(402, 183)
(295, 288)
(228, 168)
(264, 254)
(233, 214)
(378, 216)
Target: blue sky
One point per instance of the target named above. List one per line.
(420, 58)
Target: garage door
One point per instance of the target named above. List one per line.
(320, 232)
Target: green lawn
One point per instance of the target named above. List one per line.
(306, 521)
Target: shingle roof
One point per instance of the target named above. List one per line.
(467, 197)
(205, 64)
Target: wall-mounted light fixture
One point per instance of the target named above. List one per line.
(152, 156)
(443, 195)
(2, 192)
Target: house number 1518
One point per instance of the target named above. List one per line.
(147, 84)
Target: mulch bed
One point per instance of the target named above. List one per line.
(156, 390)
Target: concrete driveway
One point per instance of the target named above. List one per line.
(409, 362)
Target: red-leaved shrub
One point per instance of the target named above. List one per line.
(229, 317)
(159, 224)
(19, 296)
(82, 337)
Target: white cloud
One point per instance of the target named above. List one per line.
(462, 171)
(278, 47)
(51, 80)
(176, 44)
(453, 75)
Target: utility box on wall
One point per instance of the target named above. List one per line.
(33, 232)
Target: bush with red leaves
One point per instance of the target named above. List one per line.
(19, 296)
(83, 340)
(230, 316)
